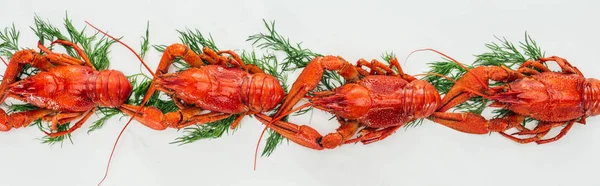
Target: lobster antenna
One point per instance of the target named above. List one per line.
(3, 61)
(127, 46)
(268, 124)
(450, 79)
(132, 117)
(452, 59)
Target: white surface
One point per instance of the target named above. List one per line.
(427, 155)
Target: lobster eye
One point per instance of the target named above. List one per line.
(108, 88)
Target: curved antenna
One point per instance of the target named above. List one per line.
(3, 61)
(131, 119)
(450, 79)
(127, 46)
(452, 59)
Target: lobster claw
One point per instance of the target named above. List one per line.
(302, 135)
(150, 116)
(310, 78)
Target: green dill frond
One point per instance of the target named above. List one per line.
(105, 114)
(414, 123)
(196, 41)
(145, 45)
(94, 46)
(9, 41)
(20, 108)
(207, 131)
(274, 140)
(54, 140)
(507, 54)
(296, 56)
(447, 68)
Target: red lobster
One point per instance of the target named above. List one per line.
(222, 90)
(65, 89)
(204, 93)
(553, 98)
(380, 100)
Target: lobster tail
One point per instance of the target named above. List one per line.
(262, 92)
(109, 88)
(591, 97)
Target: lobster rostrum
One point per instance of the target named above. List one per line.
(376, 102)
(65, 89)
(533, 90)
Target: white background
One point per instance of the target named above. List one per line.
(427, 155)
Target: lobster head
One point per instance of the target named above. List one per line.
(108, 88)
(350, 101)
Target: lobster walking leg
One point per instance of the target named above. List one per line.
(477, 124)
(309, 137)
(369, 135)
(565, 66)
(562, 133)
(20, 119)
(74, 127)
(155, 119)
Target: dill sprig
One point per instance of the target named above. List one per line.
(296, 56)
(9, 41)
(206, 131)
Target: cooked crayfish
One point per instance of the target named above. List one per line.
(381, 100)
(65, 89)
(552, 98)
(222, 90)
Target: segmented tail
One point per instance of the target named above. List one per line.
(141, 106)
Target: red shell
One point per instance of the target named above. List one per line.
(227, 90)
(73, 88)
(382, 101)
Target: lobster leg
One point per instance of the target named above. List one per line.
(477, 124)
(61, 118)
(371, 135)
(562, 133)
(309, 137)
(153, 118)
(77, 125)
(310, 77)
(79, 51)
(20, 119)
(565, 66)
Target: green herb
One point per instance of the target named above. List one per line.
(9, 42)
(207, 131)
